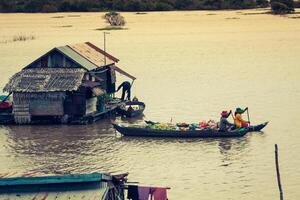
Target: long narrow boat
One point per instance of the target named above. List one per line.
(203, 133)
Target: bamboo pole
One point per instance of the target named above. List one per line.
(278, 173)
(248, 116)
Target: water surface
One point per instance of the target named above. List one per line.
(190, 66)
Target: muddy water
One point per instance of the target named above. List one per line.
(190, 66)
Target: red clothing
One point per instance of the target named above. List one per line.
(245, 124)
(159, 193)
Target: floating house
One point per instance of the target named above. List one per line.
(68, 84)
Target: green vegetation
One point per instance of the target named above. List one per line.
(18, 38)
(124, 5)
(114, 19)
(23, 38)
(282, 6)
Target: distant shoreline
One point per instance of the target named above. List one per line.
(45, 6)
(137, 11)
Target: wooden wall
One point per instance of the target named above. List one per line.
(43, 107)
(27, 105)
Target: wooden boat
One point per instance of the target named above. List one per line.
(203, 133)
(131, 109)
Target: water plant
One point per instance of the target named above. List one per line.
(114, 19)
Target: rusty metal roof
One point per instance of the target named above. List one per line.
(93, 54)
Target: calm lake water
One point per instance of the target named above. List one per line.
(190, 66)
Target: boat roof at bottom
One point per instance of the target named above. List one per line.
(81, 186)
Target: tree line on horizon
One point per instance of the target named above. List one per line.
(33, 6)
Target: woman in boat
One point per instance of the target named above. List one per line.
(238, 120)
(224, 123)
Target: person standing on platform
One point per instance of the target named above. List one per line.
(126, 88)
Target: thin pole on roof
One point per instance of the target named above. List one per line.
(104, 34)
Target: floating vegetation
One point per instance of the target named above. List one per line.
(232, 18)
(256, 13)
(211, 14)
(73, 15)
(111, 28)
(114, 19)
(141, 13)
(17, 38)
(295, 17)
(23, 38)
(58, 16)
(66, 26)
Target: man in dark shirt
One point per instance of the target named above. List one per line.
(224, 124)
(126, 87)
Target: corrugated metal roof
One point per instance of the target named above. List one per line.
(82, 61)
(102, 52)
(91, 54)
(86, 55)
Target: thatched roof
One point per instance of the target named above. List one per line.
(45, 80)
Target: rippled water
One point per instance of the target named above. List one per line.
(190, 66)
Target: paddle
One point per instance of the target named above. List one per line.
(232, 116)
(248, 116)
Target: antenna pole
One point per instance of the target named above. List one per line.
(104, 34)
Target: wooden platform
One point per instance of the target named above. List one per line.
(109, 111)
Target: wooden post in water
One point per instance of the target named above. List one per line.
(278, 173)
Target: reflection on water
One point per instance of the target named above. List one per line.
(65, 149)
(190, 67)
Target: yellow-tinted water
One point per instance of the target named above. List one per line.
(190, 66)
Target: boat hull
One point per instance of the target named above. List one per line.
(204, 133)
